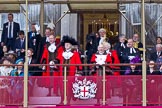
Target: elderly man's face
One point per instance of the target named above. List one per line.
(102, 33)
(122, 39)
(68, 46)
(130, 43)
(101, 48)
(158, 48)
(135, 37)
(106, 46)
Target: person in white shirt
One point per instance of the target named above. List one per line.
(6, 70)
(4, 80)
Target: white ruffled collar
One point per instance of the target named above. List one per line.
(52, 48)
(67, 54)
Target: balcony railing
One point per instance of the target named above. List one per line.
(109, 90)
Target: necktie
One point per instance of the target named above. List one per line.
(22, 43)
(29, 61)
(158, 54)
(10, 30)
(132, 50)
(122, 45)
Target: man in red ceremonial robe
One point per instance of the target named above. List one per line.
(114, 57)
(69, 56)
(114, 82)
(101, 58)
(49, 57)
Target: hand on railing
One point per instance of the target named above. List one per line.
(52, 65)
(44, 68)
(152, 81)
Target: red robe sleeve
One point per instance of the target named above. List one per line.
(78, 60)
(108, 59)
(44, 55)
(116, 58)
(93, 58)
(60, 50)
(116, 61)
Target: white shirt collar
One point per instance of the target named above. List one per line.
(101, 53)
(29, 60)
(68, 50)
(47, 39)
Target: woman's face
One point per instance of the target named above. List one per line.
(6, 62)
(133, 67)
(151, 65)
(158, 41)
(5, 49)
(20, 67)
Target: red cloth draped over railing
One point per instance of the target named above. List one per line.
(120, 90)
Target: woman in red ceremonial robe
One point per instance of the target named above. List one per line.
(49, 57)
(69, 56)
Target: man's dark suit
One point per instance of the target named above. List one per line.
(20, 47)
(33, 36)
(154, 56)
(127, 53)
(97, 41)
(120, 49)
(4, 38)
(40, 48)
(33, 69)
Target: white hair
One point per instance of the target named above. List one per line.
(102, 30)
(158, 45)
(107, 44)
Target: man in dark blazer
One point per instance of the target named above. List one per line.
(101, 39)
(120, 47)
(10, 32)
(130, 52)
(20, 45)
(34, 39)
(156, 54)
(31, 60)
(137, 43)
(42, 42)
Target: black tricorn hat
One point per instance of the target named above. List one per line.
(68, 39)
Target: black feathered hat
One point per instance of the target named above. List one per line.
(68, 39)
